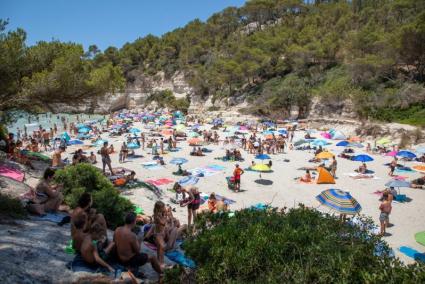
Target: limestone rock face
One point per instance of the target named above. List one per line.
(343, 109)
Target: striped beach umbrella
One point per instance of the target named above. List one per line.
(340, 201)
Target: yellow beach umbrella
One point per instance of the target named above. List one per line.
(324, 155)
(383, 141)
(261, 168)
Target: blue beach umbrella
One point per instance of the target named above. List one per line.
(134, 130)
(178, 161)
(189, 180)
(75, 142)
(340, 201)
(263, 157)
(83, 130)
(343, 144)
(100, 142)
(319, 142)
(133, 145)
(362, 158)
(406, 154)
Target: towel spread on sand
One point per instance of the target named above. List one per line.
(160, 181)
(412, 253)
(50, 217)
(11, 173)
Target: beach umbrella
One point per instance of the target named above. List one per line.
(134, 130)
(391, 154)
(397, 183)
(326, 135)
(267, 132)
(261, 168)
(419, 168)
(420, 150)
(133, 145)
(178, 161)
(340, 201)
(99, 142)
(75, 142)
(300, 142)
(355, 139)
(337, 135)
(383, 141)
(324, 155)
(283, 131)
(263, 157)
(83, 136)
(319, 142)
(167, 132)
(189, 180)
(194, 141)
(343, 144)
(362, 158)
(83, 130)
(180, 127)
(193, 134)
(355, 144)
(406, 154)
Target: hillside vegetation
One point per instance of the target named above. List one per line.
(283, 52)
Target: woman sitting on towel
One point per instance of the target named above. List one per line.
(362, 169)
(306, 177)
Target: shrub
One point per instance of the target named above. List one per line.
(11, 207)
(106, 199)
(301, 246)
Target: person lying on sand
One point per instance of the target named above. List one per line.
(418, 183)
(306, 177)
(128, 244)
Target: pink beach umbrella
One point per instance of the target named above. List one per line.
(391, 154)
(326, 135)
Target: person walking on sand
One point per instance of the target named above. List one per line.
(106, 159)
(385, 209)
(237, 177)
(393, 165)
(333, 167)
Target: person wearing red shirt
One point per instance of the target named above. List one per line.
(237, 177)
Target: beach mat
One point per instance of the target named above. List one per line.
(412, 253)
(160, 181)
(176, 256)
(420, 238)
(50, 217)
(12, 173)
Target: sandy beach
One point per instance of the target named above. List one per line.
(284, 191)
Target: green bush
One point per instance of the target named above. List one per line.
(106, 199)
(300, 246)
(11, 207)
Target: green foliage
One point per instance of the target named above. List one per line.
(11, 207)
(106, 199)
(300, 246)
(166, 98)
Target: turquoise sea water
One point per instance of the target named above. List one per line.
(46, 120)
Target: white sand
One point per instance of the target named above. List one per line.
(406, 217)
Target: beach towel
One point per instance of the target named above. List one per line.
(37, 156)
(216, 167)
(403, 170)
(154, 167)
(420, 238)
(159, 182)
(412, 253)
(360, 176)
(152, 188)
(176, 256)
(12, 173)
(133, 157)
(50, 217)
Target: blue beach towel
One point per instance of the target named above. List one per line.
(180, 258)
(412, 253)
(50, 217)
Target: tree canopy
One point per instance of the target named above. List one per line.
(353, 49)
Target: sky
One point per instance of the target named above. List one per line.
(104, 22)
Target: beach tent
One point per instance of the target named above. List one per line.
(66, 136)
(324, 177)
(338, 135)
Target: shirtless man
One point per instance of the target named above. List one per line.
(46, 139)
(128, 247)
(57, 158)
(90, 248)
(106, 160)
